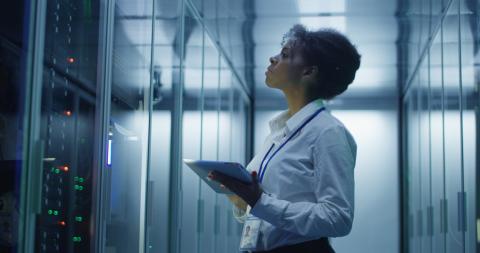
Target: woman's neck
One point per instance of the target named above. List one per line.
(296, 99)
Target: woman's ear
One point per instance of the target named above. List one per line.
(310, 71)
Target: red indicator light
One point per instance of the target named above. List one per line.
(64, 168)
(62, 223)
(71, 60)
(67, 113)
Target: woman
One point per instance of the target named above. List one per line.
(303, 184)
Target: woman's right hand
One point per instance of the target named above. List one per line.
(237, 201)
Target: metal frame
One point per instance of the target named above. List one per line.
(175, 197)
(148, 189)
(31, 179)
(104, 77)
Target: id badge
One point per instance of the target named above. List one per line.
(250, 234)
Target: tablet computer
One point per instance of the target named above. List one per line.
(232, 169)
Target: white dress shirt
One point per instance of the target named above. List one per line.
(309, 184)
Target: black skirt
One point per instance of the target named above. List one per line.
(321, 245)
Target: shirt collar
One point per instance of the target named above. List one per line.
(300, 116)
(291, 123)
(278, 122)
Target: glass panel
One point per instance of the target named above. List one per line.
(225, 20)
(410, 173)
(222, 205)
(129, 121)
(210, 140)
(239, 145)
(192, 122)
(12, 102)
(67, 126)
(166, 74)
(414, 19)
(470, 75)
(453, 162)
(424, 152)
(414, 172)
(437, 141)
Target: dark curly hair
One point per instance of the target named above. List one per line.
(334, 55)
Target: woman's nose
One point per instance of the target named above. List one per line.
(272, 59)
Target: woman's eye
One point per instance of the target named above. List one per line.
(284, 55)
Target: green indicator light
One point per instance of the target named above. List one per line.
(76, 187)
(78, 218)
(55, 212)
(75, 179)
(57, 171)
(77, 239)
(81, 180)
(80, 188)
(50, 211)
(53, 169)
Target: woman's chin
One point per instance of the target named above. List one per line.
(268, 82)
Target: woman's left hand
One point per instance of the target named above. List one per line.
(250, 193)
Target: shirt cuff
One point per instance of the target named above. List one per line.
(239, 214)
(268, 208)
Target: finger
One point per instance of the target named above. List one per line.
(254, 177)
(222, 178)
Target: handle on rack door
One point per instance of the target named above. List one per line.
(37, 177)
(461, 212)
(150, 203)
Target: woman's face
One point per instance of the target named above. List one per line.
(285, 68)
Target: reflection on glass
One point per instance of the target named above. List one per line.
(437, 141)
(129, 126)
(424, 152)
(191, 132)
(166, 74)
(225, 109)
(470, 74)
(210, 120)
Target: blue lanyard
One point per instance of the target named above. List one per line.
(262, 170)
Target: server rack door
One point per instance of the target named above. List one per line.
(129, 127)
(66, 126)
(166, 75)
